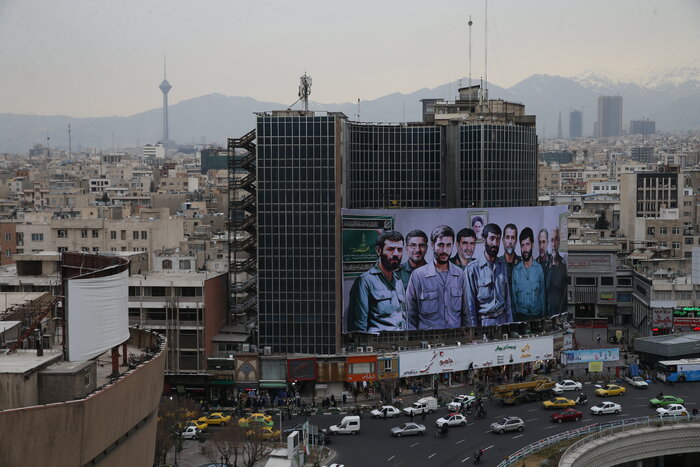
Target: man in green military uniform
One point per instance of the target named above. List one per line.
(416, 248)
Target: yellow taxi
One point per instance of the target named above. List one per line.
(216, 418)
(264, 432)
(610, 390)
(259, 418)
(558, 403)
(200, 425)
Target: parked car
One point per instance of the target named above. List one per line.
(606, 407)
(508, 424)
(407, 429)
(568, 415)
(453, 419)
(663, 401)
(190, 432)
(638, 382)
(462, 400)
(610, 390)
(672, 410)
(558, 403)
(567, 385)
(386, 411)
(260, 418)
(216, 418)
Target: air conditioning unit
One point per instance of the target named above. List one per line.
(245, 347)
(267, 350)
(369, 349)
(360, 350)
(424, 345)
(505, 335)
(400, 348)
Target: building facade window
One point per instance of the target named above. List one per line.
(83, 233)
(37, 237)
(95, 233)
(185, 264)
(62, 233)
(144, 235)
(135, 234)
(167, 264)
(113, 235)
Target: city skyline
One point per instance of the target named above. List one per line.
(81, 59)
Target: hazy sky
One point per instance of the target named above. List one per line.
(105, 57)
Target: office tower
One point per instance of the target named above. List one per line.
(642, 127)
(165, 88)
(609, 116)
(298, 214)
(560, 133)
(643, 154)
(575, 124)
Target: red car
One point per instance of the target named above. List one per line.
(567, 415)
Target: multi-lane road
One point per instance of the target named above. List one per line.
(375, 446)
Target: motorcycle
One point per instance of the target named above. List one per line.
(581, 400)
(477, 456)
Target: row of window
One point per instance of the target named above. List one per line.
(136, 234)
(604, 280)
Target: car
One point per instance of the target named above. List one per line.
(263, 432)
(190, 432)
(453, 419)
(567, 385)
(407, 429)
(567, 415)
(672, 410)
(638, 382)
(261, 418)
(386, 411)
(663, 401)
(462, 400)
(610, 390)
(201, 425)
(606, 407)
(508, 424)
(216, 418)
(558, 403)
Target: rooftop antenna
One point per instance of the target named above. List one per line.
(358, 109)
(486, 51)
(469, 23)
(305, 90)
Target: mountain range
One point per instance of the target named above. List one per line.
(672, 100)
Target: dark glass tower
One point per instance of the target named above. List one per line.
(575, 124)
(298, 211)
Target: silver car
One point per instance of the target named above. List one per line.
(407, 429)
(508, 424)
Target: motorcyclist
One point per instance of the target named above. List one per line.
(477, 455)
(443, 430)
(581, 399)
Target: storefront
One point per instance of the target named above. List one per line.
(273, 371)
(302, 374)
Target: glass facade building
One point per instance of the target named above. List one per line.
(296, 232)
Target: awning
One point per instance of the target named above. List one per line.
(273, 384)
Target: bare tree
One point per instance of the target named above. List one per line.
(173, 414)
(225, 444)
(255, 448)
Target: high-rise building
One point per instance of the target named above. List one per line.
(642, 127)
(310, 165)
(165, 88)
(575, 124)
(609, 116)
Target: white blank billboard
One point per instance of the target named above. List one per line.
(97, 315)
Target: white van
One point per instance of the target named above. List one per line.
(424, 405)
(349, 424)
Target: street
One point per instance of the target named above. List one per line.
(374, 445)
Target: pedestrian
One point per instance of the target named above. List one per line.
(333, 400)
(411, 415)
(423, 415)
(345, 398)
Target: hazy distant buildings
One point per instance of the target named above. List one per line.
(643, 154)
(153, 151)
(642, 127)
(575, 124)
(609, 121)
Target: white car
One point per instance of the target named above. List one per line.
(637, 382)
(453, 419)
(191, 432)
(671, 410)
(567, 385)
(463, 400)
(606, 407)
(386, 411)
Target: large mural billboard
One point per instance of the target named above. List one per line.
(424, 269)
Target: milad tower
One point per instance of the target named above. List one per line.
(165, 87)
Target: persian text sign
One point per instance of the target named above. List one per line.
(459, 358)
(591, 355)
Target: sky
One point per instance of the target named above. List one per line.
(93, 58)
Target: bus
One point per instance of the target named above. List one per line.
(686, 369)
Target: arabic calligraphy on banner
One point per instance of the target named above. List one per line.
(459, 358)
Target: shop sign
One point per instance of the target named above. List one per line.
(590, 355)
(460, 358)
(301, 369)
(362, 368)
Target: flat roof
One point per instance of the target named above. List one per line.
(22, 361)
(9, 299)
(672, 339)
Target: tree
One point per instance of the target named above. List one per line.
(225, 444)
(173, 414)
(602, 223)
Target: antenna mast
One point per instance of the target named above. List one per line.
(70, 149)
(305, 90)
(486, 52)
(469, 23)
